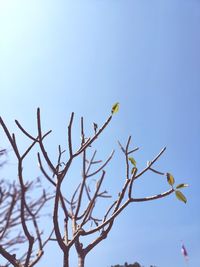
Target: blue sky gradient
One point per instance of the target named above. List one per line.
(83, 56)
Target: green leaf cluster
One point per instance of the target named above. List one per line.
(180, 196)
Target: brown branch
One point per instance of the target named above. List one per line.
(90, 162)
(23, 189)
(126, 155)
(10, 138)
(119, 210)
(109, 210)
(131, 183)
(103, 166)
(83, 171)
(15, 146)
(43, 170)
(94, 173)
(87, 171)
(133, 150)
(24, 131)
(121, 195)
(23, 220)
(60, 177)
(55, 217)
(113, 216)
(28, 135)
(158, 172)
(9, 257)
(32, 145)
(40, 252)
(122, 148)
(35, 224)
(152, 197)
(8, 215)
(150, 164)
(60, 152)
(54, 184)
(91, 140)
(91, 203)
(41, 143)
(70, 135)
(38, 257)
(25, 229)
(73, 199)
(29, 212)
(102, 236)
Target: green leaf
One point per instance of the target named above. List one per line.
(181, 186)
(132, 161)
(180, 196)
(115, 108)
(170, 179)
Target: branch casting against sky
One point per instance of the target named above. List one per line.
(79, 211)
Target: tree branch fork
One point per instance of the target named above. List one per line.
(73, 209)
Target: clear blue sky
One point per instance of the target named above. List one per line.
(83, 56)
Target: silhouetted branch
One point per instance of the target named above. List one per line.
(81, 218)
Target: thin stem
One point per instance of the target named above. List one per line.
(119, 210)
(91, 140)
(24, 131)
(70, 135)
(126, 154)
(55, 218)
(41, 143)
(9, 137)
(158, 172)
(90, 206)
(150, 164)
(83, 171)
(43, 170)
(103, 166)
(131, 183)
(22, 209)
(152, 197)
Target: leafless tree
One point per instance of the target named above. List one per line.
(13, 215)
(78, 210)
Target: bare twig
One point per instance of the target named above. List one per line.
(70, 135)
(102, 167)
(150, 163)
(84, 222)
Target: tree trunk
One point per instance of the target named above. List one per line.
(81, 261)
(66, 260)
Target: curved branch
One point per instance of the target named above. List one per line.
(41, 143)
(100, 168)
(70, 134)
(151, 163)
(91, 140)
(9, 257)
(153, 197)
(117, 212)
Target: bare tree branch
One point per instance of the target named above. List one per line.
(79, 209)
